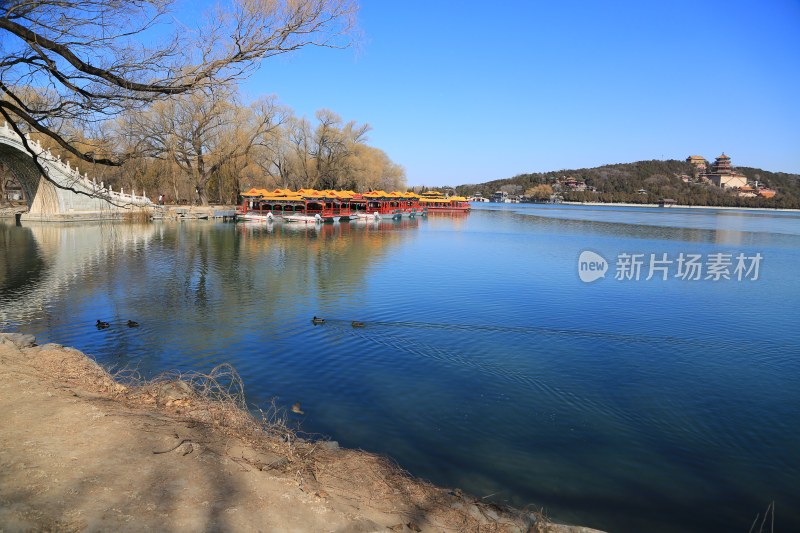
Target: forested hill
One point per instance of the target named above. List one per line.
(660, 179)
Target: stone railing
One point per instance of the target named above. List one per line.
(67, 177)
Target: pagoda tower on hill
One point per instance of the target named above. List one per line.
(723, 175)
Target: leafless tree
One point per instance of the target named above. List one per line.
(208, 144)
(203, 131)
(330, 155)
(300, 138)
(276, 158)
(333, 143)
(80, 62)
(367, 167)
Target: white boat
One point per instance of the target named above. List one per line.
(367, 216)
(255, 216)
(309, 219)
(395, 214)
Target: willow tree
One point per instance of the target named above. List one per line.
(202, 132)
(331, 155)
(84, 61)
(334, 142)
(278, 159)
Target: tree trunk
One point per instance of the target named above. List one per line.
(202, 195)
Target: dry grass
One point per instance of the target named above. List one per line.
(540, 523)
(216, 399)
(137, 214)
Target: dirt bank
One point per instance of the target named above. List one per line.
(80, 451)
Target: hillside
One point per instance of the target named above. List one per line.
(660, 179)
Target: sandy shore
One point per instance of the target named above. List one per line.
(80, 451)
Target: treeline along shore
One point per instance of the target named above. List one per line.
(645, 182)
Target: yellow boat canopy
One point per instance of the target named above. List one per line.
(286, 194)
(256, 193)
(375, 194)
(426, 199)
(273, 198)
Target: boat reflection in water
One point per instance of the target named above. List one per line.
(366, 225)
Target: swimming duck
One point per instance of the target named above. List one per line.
(356, 324)
(102, 325)
(317, 320)
(132, 324)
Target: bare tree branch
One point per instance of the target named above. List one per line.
(75, 63)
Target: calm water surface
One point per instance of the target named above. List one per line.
(485, 362)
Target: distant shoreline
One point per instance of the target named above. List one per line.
(621, 204)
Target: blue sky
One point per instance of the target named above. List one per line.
(466, 92)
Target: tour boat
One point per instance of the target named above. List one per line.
(410, 204)
(313, 206)
(305, 205)
(251, 209)
(381, 204)
(437, 202)
(331, 206)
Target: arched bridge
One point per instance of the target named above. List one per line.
(76, 198)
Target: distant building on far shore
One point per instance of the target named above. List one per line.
(723, 175)
(747, 192)
(501, 197)
(699, 163)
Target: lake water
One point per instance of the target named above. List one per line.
(485, 362)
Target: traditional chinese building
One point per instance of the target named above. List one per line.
(747, 192)
(723, 175)
(699, 163)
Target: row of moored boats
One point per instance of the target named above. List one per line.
(313, 206)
